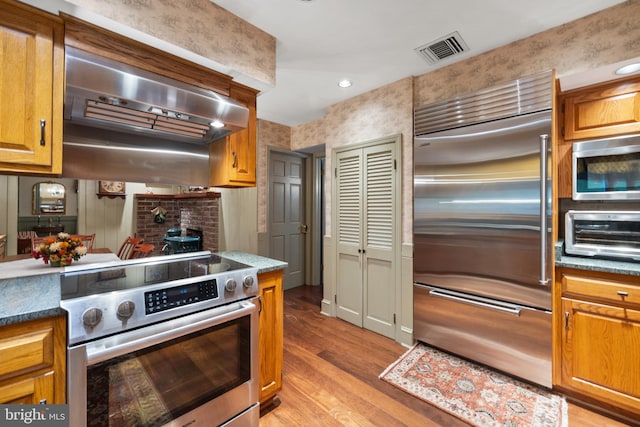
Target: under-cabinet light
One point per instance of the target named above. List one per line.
(628, 69)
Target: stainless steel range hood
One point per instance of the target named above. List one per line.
(128, 124)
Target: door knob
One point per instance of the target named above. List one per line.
(304, 228)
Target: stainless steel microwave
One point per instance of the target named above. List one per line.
(607, 169)
(603, 234)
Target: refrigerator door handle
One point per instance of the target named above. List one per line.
(544, 152)
(478, 301)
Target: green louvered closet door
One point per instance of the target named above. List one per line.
(366, 199)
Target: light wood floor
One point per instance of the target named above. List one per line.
(330, 376)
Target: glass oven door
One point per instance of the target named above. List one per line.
(197, 370)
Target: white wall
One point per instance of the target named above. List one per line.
(238, 219)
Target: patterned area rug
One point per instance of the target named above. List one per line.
(474, 393)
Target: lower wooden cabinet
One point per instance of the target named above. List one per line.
(270, 335)
(32, 362)
(600, 338)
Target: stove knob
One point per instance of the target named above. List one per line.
(231, 285)
(125, 310)
(91, 317)
(247, 282)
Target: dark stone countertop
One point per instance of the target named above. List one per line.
(264, 264)
(28, 297)
(594, 264)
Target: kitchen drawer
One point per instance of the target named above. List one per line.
(612, 291)
(26, 352)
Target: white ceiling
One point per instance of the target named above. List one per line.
(372, 42)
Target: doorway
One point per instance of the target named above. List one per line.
(366, 219)
(287, 214)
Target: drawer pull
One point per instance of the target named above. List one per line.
(43, 123)
(623, 294)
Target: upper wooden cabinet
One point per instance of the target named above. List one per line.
(31, 90)
(603, 110)
(599, 328)
(232, 160)
(598, 111)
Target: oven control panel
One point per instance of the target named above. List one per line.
(168, 298)
(95, 316)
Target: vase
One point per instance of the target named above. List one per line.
(60, 263)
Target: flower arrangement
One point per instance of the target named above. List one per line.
(60, 250)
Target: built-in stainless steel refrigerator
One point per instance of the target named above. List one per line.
(482, 224)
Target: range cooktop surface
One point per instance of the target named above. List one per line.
(123, 295)
(154, 270)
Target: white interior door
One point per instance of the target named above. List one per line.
(349, 284)
(379, 247)
(287, 230)
(366, 215)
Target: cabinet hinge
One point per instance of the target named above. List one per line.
(335, 299)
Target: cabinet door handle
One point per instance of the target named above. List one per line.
(43, 123)
(235, 160)
(623, 294)
(566, 320)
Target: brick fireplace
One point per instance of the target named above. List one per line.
(192, 211)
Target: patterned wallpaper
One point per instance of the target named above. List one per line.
(599, 39)
(269, 135)
(609, 36)
(198, 26)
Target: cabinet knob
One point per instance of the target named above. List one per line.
(623, 294)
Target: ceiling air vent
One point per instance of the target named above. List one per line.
(443, 48)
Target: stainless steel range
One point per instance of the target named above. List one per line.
(162, 341)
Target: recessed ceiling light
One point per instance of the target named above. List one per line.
(628, 69)
(344, 83)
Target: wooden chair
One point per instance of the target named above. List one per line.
(126, 250)
(35, 241)
(87, 240)
(141, 251)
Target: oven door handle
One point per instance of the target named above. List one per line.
(119, 345)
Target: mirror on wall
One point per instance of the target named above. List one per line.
(49, 198)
